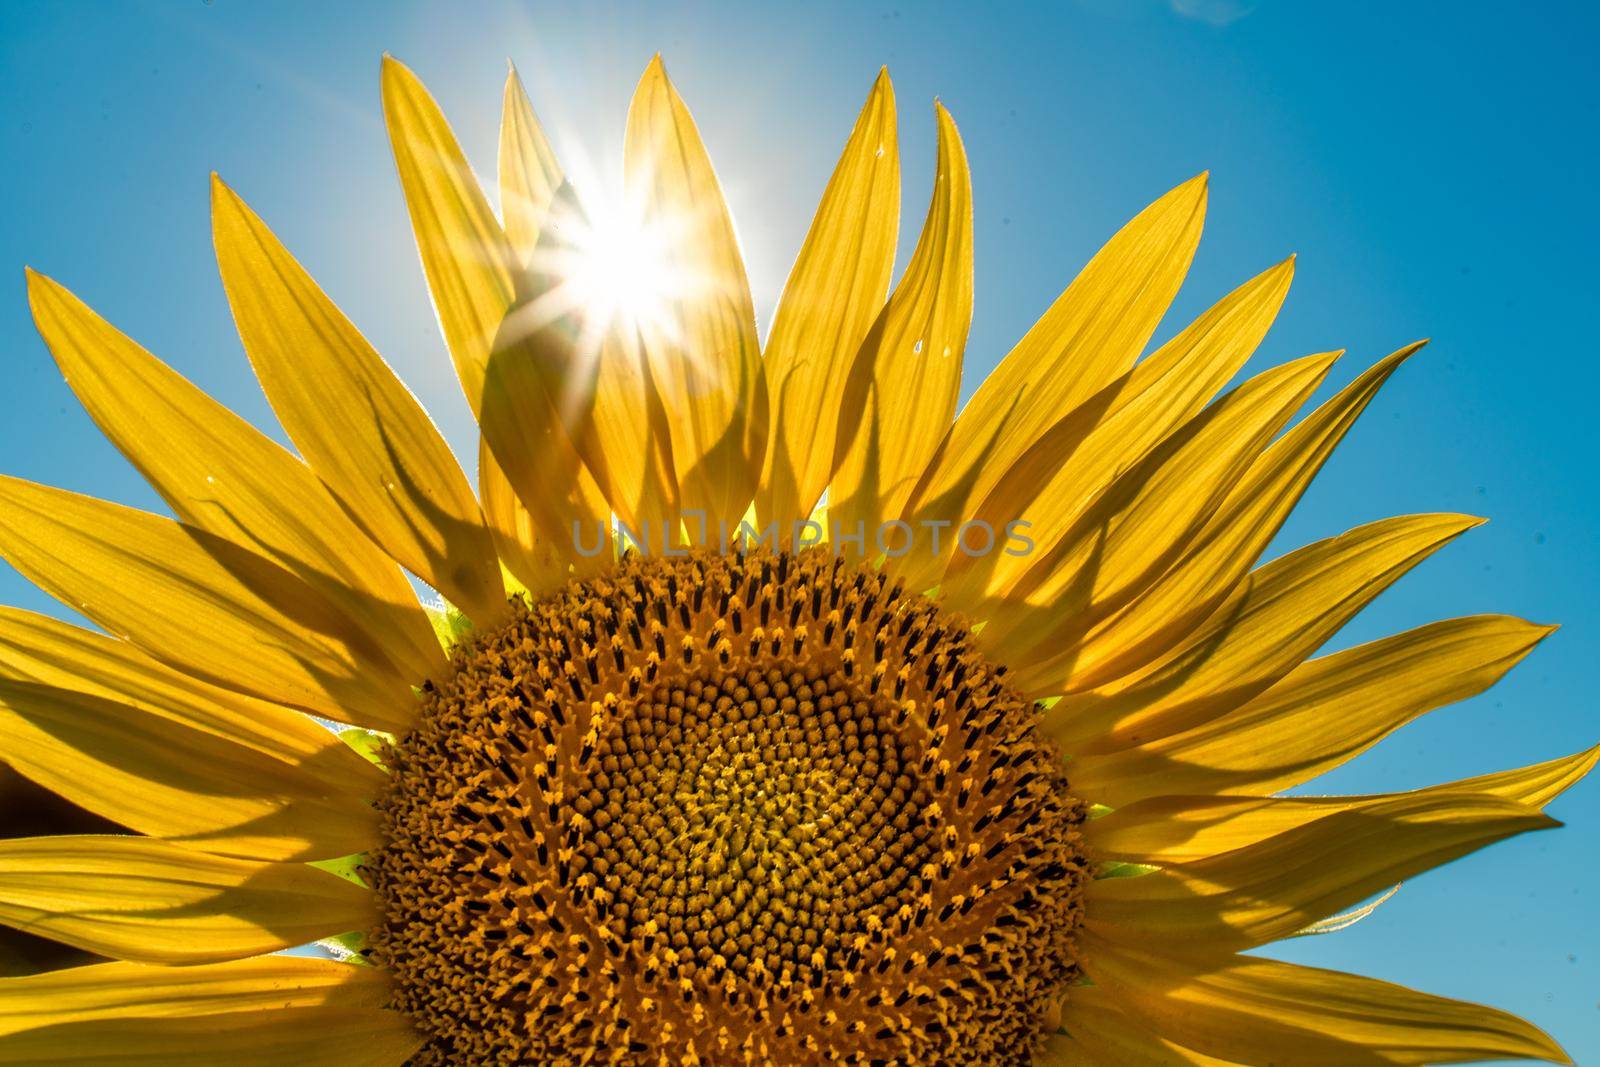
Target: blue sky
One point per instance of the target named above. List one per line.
(1431, 165)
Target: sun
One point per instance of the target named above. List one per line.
(621, 271)
(613, 262)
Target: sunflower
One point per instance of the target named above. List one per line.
(769, 711)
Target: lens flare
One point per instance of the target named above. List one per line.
(603, 262)
(620, 272)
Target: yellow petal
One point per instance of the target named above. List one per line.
(465, 254)
(1132, 533)
(1323, 713)
(471, 269)
(529, 173)
(1182, 829)
(1268, 625)
(1263, 1011)
(201, 604)
(570, 381)
(531, 561)
(833, 294)
(901, 390)
(1101, 1035)
(628, 436)
(1233, 539)
(1058, 1050)
(540, 395)
(1535, 785)
(107, 992)
(1089, 336)
(139, 899)
(1069, 464)
(293, 1037)
(37, 648)
(163, 777)
(221, 475)
(705, 358)
(358, 427)
(1282, 884)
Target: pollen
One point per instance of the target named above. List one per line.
(728, 809)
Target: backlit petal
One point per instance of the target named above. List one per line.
(1323, 713)
(705, 357)
(1270, 623)
(104, 992)
(1271, 889)
(1088, 338)
(900, 394)
(465, 254)
(529, 173)
(1135, 529)
(201, 604)
(292, 1037)
(532, 560)
(1102, 1036)
(1072, 461)
(833, 295)
(40, 649)
(540, 395)
(1182, 829)
(162, 776)
(629, 436)
(149, 901)
(1262, 1011)
(221, 475)
(357, 425)
(1233, 539)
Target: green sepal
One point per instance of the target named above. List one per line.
(370, 745)
(1118, 869)
(346, 867)
(449, 625)
(348, 948)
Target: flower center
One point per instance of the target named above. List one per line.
(763, 809)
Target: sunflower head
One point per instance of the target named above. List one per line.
(775, 714)
(753, 801)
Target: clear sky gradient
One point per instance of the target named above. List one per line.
(1432, 164)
